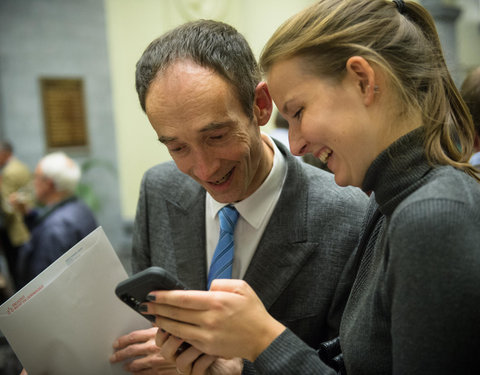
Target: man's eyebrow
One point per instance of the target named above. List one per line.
(214, 126)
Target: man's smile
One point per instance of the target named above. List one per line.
(224, 178)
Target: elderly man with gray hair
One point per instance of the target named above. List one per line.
(61, 220)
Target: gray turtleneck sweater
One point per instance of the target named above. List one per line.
(415, 304)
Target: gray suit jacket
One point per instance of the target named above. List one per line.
(296, 267)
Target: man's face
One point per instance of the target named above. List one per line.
(42, 185)
(196, 114)
(4, 156)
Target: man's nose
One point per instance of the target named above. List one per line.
(205, 165)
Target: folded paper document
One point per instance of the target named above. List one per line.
(67, 318)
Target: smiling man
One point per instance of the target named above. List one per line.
(216, 144)
(201, 89)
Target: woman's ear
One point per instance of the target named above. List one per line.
(363, 75)
(262, 106)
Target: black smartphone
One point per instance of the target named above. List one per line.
(134, 290)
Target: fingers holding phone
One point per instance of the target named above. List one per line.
(139, 352)
(228, 321)
(174, 352)
(134, 290)
(191, 361)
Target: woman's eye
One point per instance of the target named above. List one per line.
(298, 113)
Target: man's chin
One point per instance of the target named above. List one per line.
(222, 198)
(227, 196)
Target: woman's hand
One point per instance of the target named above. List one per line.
(227, 321)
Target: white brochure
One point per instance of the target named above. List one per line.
(66, 319)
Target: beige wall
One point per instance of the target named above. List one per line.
(468, 34)
(131, 25)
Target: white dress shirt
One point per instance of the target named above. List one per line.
(475, 160)
(255, 212)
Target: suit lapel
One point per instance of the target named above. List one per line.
(272, 270)
(283, 249)
(187, 218)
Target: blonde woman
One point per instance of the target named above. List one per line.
(364, 87)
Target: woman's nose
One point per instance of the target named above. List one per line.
(298, 146)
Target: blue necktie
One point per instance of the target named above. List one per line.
(221, 267)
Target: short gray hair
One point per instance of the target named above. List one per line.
(62, 170)
(210, 44)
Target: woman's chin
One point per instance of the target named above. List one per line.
(343, 180)
(339, 181)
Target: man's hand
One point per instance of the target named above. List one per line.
(141, 355)
(18, 201)
(191, 361)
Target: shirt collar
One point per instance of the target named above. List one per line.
(254, 208)
(475, 159)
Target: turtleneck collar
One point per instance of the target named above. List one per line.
(397, 171)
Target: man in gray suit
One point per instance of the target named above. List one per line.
(202, 92)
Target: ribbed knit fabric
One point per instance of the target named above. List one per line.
(281, 359)
(416, 284)
(414, 307)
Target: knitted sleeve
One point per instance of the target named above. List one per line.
(288, 355)
(433, 278)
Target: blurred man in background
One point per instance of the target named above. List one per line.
(60, 222)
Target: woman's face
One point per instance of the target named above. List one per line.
(335, 121)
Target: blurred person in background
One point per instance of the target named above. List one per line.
(15, 176)
(60, 221)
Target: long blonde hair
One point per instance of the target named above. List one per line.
(402, 40)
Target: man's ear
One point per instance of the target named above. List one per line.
(51, 184)
(363, 75)
(262, 106)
